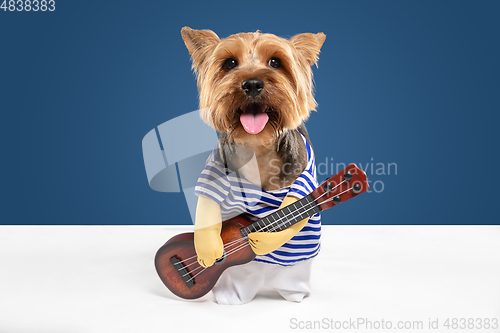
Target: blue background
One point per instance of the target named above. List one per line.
(409, 82)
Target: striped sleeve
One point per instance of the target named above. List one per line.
(302, 186)
(213, 181)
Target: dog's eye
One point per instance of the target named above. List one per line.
(229, 64)
(275, 63)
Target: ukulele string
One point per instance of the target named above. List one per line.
(290, 213)
(193, 270)
(247, 244)
(286, 216)
(242, 242)
(244, 239)
(239, 247)
(197, 274)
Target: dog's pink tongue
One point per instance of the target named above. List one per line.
(254, 119)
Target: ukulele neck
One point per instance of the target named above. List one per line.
(343, 186)
(285, 217)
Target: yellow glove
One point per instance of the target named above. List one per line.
(266, 242)
(208, 224)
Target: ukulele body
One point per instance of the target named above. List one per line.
(176, 261)
(190, 281)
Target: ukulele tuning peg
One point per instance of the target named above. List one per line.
(356, 188)
(348, 175)
(336, 200)
(328, 186)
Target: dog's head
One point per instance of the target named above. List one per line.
(254, 85)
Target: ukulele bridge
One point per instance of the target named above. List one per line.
(183, 271)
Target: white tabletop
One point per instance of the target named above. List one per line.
(75, 279)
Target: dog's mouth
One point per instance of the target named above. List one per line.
(254, 117)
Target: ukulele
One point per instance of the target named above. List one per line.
(176, 261)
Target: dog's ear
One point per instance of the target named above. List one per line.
(309, 45)
(199, 43)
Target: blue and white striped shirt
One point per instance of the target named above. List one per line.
(236, 196)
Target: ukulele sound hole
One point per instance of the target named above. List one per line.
(221, 260)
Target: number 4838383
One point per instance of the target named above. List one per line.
(28, 5)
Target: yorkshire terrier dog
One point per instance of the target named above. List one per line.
(256, 91)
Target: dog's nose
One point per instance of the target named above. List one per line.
(252, 87)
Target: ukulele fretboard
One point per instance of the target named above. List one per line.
(286, 217)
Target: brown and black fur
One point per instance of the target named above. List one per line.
(286, 97)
